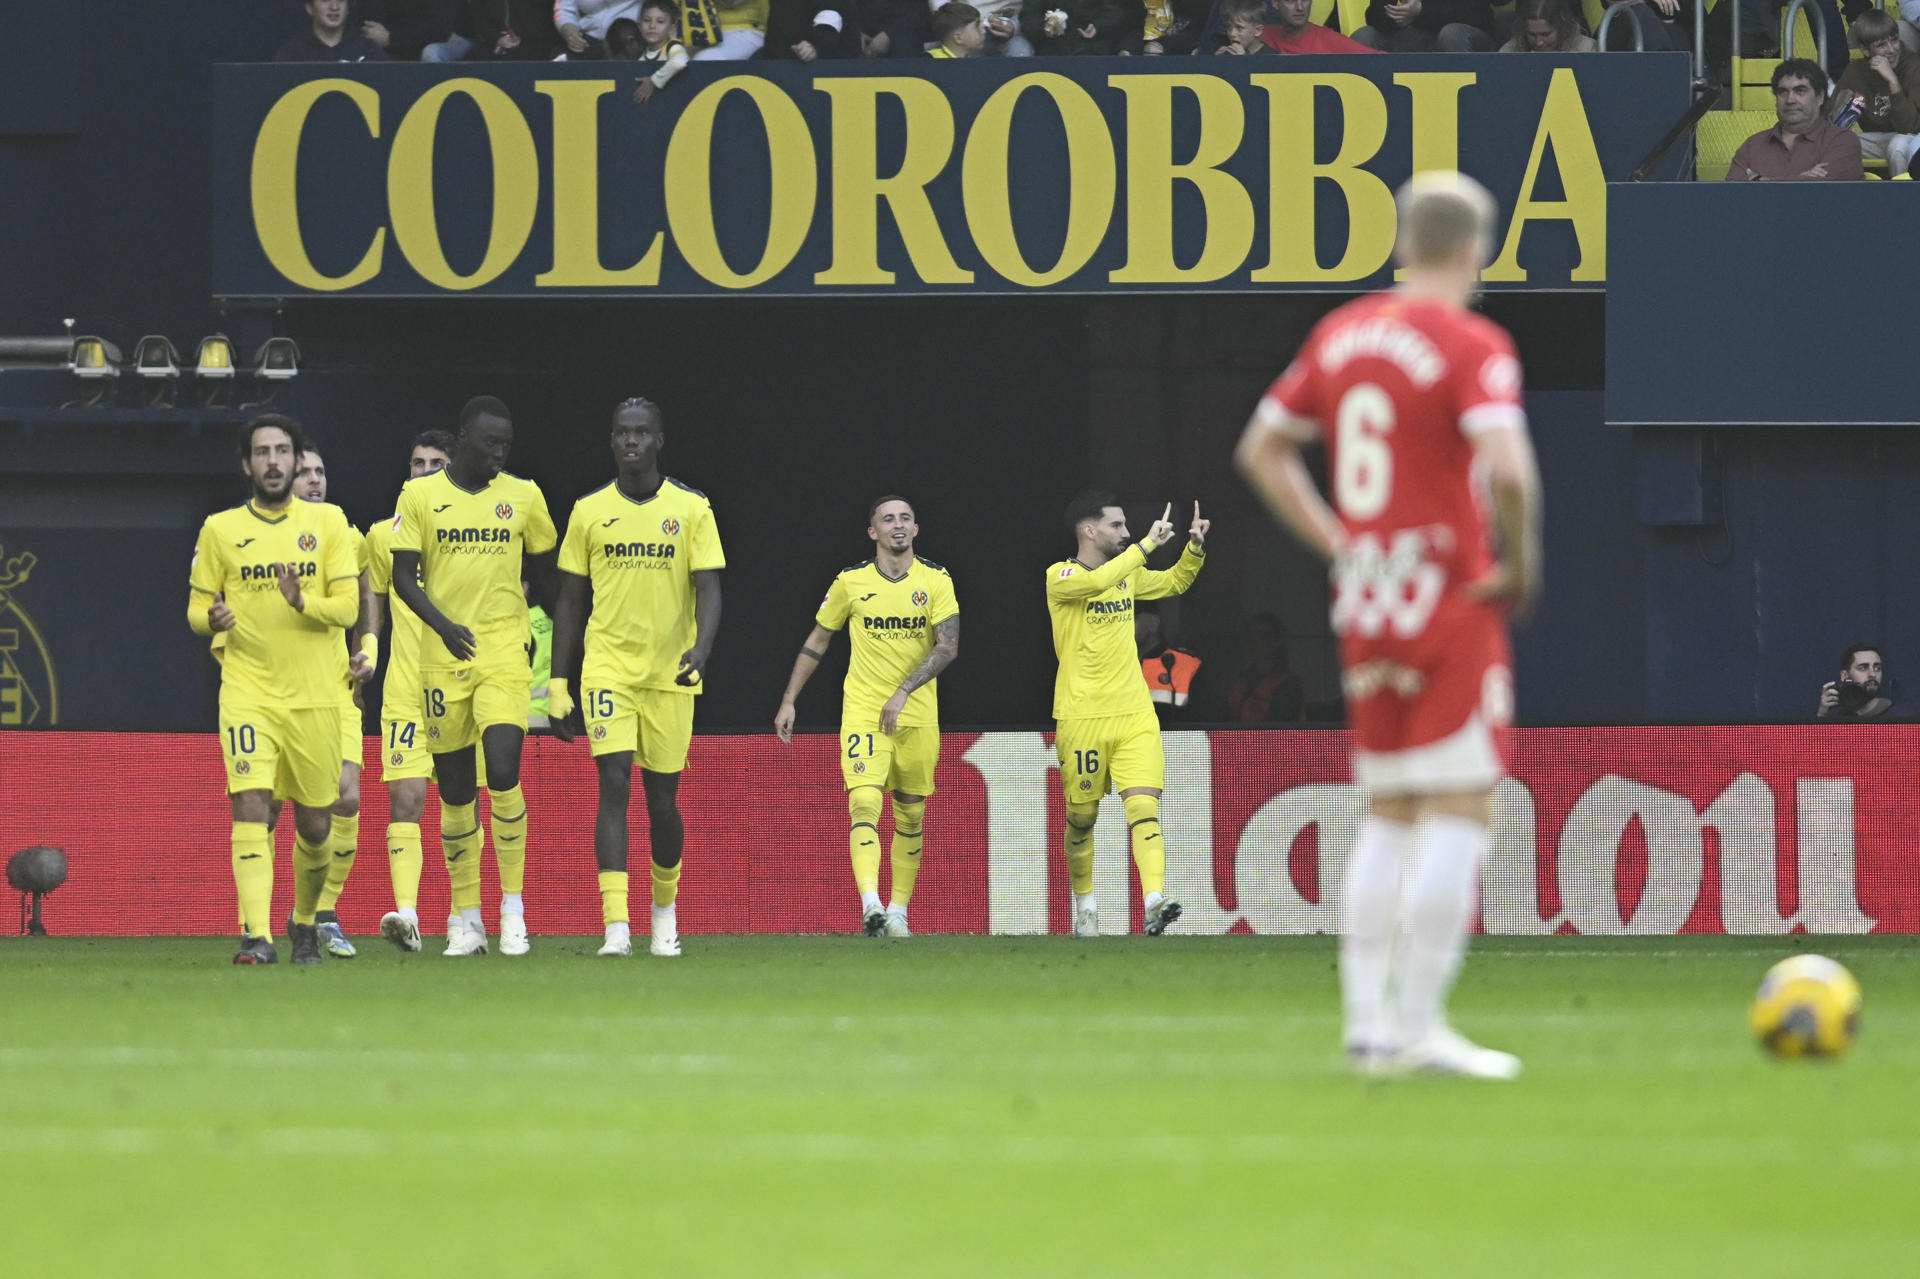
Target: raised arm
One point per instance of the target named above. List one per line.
(706, 625)
(1154, 584)
(812, 653)
(946, 647)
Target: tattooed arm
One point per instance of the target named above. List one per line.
(946, 647)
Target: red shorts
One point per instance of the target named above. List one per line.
(1430, 713)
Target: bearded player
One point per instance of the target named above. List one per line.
(903, 621)
(647, 552)
(405, 763)
(467, 537)
(1419, 402)
(280, 579)
(1106, 733)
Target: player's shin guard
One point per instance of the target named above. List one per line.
(509, 808)
(863, 837)
(253, 877)
(1080, 822)
(1436, 909)
(908, 834)
(309, 877)
(460, 840)
(403, 863)
(343, 842)
(1149, 849)
(1368, 912)
(613, 897)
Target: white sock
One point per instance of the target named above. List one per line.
(895, 908)
(618, 931)
(411, 915)
(510, 904)
(662, 915)
(1150, 901)
(471, 918)
(1437, 900)
(1366, 929)
(1085, 903)
(869, 902)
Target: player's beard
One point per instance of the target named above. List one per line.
(269, 496)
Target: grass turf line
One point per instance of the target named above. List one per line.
(945, 1106)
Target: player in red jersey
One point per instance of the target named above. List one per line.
(1419, 401)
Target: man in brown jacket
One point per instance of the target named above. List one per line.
(1889, 79)
(1804, 146)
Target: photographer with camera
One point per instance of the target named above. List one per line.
(1859, 693)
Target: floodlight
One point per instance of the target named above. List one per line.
(213, 368)
(96, 362)
(279, 359)
(158, 365)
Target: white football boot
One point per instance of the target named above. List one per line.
(513, 935)
(666, 933)
(462, 940)
(619, 942)
(400, 930)
(1086, 920)
(897, 924)
(1445, 1051)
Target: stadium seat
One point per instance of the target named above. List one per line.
(1720, 134)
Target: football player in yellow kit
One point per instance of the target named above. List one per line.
(310, 485)
(280, 579)
(1105, 733)
(903, 620)
(467, 536)
(647, 547)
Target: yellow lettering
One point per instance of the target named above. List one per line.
(576, 194)
(1151, 174)
(689, 188)
(516, 184)
(1436, 120)
(276, 201)
(1293, 173)
(858, 188)
(1091, 179)
(1563, 120)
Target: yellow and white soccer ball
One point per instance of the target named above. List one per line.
(1807, 1006)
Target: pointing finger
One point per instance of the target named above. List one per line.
(1167, 514)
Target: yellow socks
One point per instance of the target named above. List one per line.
(908, 833)
(1149, 850)
(460, 840)
(613, 897)
(1080, 820)
(403, 863)
(509, 809)
(863, 838)
(309, 877)
(343, 842)
(253, 877)
(666, 883)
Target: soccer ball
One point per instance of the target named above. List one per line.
(1807, 1006)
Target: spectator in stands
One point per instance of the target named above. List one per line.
(1888, 78)
(1177, 26)
(1294, 31)
(623, 41)
(1001, 21)
(511, 31)
(1548, 26)
(1082, 26)
(1860, 692)
(809, 29)
(895, 28)
(957, 32)
(582, 24)
(662, 54)
(1168, 669)
(1421, 26)
(726, 30)
(1241, 22)
(406, 29)
(326, 38)
(1266, 691)
(1804, 146)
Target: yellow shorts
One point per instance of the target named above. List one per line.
(403, 751)
(352, 748)
(1115, 752)
(651, 722)
(904, 762)
(295, 753)
(459, 704)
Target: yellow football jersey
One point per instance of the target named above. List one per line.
(1092, 611)
(274, 655)
(889, 621)
(403, 650)
(640, 557)
(471, 550)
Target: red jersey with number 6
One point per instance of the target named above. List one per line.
(1400, 386)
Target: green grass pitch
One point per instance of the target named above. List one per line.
(944, 1106)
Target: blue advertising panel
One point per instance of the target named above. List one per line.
(1072, 175)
